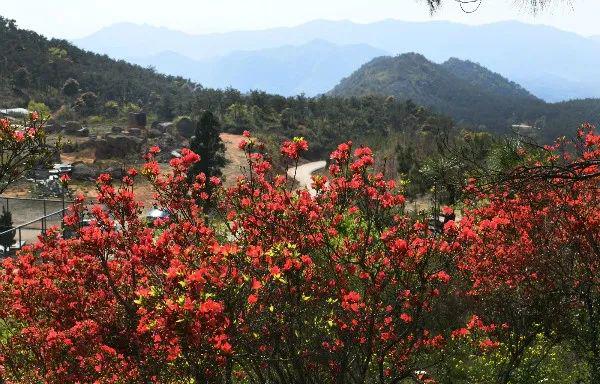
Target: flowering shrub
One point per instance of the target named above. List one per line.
(275, 285)
(22, 147)
(271, 285)
(531, 249)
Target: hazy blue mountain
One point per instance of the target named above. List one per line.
(128, 40)
(171, 62)
(551, 63)
(311, 68)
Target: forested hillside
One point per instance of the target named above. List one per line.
(35, 68)
(468, 92)
(481, 77)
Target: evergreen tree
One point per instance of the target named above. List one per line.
(22, 78)
(70, 88)
(165, 107)
(208, 144)
(86, 105)
(6, 223)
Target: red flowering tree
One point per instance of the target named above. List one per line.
(272, 285)
(22, 147)
(532, 249)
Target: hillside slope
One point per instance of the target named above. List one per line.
(467, 92)
(33, 67)
(482, 78)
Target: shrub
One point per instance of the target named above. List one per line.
(338, 287)
(70, 88)
(86, 104)
(111, 109)
(41, 108)
(95, 120)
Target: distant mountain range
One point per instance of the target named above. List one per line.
(312, 68)
(553, 64)
(468, 92)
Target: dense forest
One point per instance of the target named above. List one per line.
(469, 93)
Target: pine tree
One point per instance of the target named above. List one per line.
(7, 239)
(208, 144)
(70, 88)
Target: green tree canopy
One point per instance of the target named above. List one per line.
(6, 223)
(70, 88)
(22, 78)
(208, 144)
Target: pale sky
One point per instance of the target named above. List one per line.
(72, 19)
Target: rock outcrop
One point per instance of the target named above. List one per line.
(118, 146)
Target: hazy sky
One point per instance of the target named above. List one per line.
(77, 18)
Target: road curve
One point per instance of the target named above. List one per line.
(304, 172)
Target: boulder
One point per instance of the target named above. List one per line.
(185, 127)
(167, 143)
(118, 146)
(52, 126)
(116, 129)
(71, 127)
(84, 172)
(89, 143)
(114, 172)
(69, 147)
(137, 120)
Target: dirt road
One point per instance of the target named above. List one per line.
(304, 172)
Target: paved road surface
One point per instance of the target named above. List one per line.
(304, 172)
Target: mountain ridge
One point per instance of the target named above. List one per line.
(468, 92)
(553, 64)
(316, 67)
(411, 76)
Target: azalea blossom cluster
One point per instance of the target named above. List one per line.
(531, 248)
(292, 149)
(23, 146)
(275, 285)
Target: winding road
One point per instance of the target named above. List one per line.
(304, 172)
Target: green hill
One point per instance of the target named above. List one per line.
(465, 91)
(469, 93)
(35, 68)
(481, 77)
